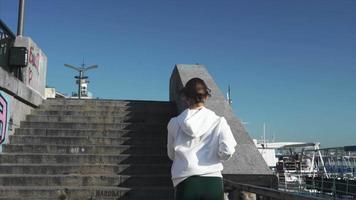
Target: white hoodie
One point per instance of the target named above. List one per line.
(198, 142)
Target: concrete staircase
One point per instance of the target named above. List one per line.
(89, 149)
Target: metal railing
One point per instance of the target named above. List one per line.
(5, 32)
(328, 188)
(240, 191)
(7, 39)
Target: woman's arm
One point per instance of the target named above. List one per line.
(227, 141)
(170, 138)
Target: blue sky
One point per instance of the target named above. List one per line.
(291, 64)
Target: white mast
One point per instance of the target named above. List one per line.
(264, 133)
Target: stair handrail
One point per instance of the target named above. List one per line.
(234, 189)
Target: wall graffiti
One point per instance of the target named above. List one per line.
(34, 60)
(4, 112)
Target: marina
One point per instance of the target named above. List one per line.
(305, 168)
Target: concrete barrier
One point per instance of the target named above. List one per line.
(247, 164)
(34, 74)
(18, 98)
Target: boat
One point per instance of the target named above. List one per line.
(304, 167)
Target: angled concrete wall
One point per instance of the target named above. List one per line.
(247, 164)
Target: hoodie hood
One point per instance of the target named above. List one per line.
(197, 122)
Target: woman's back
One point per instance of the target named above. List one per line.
(199, 141)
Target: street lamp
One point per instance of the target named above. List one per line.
(81, 78)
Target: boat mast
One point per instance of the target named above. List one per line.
(264, 133)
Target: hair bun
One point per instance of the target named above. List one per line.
(196, 90)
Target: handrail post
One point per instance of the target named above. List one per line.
(334, 188)
(235, 194)
(314, 188)
(347, 187)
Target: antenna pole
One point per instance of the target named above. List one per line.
(264, 133)
(81, 79)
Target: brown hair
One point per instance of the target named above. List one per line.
(196, 90)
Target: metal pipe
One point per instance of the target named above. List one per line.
(79, 84)
(21, 18)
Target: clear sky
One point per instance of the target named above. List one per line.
(290, 63)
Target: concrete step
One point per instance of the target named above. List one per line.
(89, 132)
(84, 149)
(98, 113)
(105, 119)
(62, 193)
(79, 149)
(73, 140)
(84, 180)
(98, 126)
(86, 193)
(118, 108)
(106, 102)
(124, 169)
(89, 104)
(83, 158)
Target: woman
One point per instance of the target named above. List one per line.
(198, 142)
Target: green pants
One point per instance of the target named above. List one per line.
(200, 188)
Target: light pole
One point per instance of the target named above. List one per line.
(81, 78)
(21, 18)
